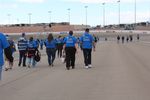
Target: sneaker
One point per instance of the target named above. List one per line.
(6, 69)
(68, 68)
(29, 66)
(52, 65)
(86, 67)
(90, 66)
(73, 67)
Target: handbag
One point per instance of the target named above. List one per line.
(37, 56)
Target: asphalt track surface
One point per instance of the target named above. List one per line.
(120, 72)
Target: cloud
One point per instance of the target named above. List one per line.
(8, 5)
(32, 1)
(106, 1)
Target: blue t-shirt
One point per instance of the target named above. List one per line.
(86, 41)
(59, 40)
(32, 44)
(51, 44)
(41, 42)
(3, 44)
(36, 43)
(70, 41)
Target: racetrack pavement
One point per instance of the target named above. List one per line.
(120, 72)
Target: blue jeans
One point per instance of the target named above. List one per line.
(31, 62)
(51, 55)
(0, 72)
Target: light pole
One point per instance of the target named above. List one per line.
(9, 15)
(86, 14)
(69, 15)
(17, 20)
(103, 14)
(29, 14)
(50, 12)
(135, 12)
(118, 13)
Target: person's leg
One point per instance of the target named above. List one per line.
(0, 72)
(67, 58)
(33, 62)
(6, 65)
(57, 50)
(60, 53)
(24, 58)
(85, 53)
(29, 62)
(89, 56)
(53, 55)
(49, 56)
(73, 51)
(20, 58)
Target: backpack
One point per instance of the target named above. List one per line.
(37, 56)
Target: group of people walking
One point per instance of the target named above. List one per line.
(28, 49)
(70, 45)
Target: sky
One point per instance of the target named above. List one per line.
(17, 11)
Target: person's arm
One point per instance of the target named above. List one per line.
(94, 44)
(76, 45)
(64, 42)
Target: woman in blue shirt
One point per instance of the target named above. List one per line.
(50, 45)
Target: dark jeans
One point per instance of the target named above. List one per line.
(59, 50)
(87, 56)
(70, 57)
(22, 56)
(51, 55)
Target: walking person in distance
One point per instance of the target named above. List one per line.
(87, 42)
(50, 44)
(70, 47)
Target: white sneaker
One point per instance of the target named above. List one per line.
(90, 66)
(86, 67)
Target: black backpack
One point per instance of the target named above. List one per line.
(37, 56)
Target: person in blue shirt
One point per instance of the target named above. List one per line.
(41, 44)
(50, 45)
(4, 45)
(87, 42)
(59, 44)
(22, 47)
(31, 50)
(70, 47)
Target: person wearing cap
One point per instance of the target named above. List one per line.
(87, 42)
(22, 47)
(70, 47)
(4, 45)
